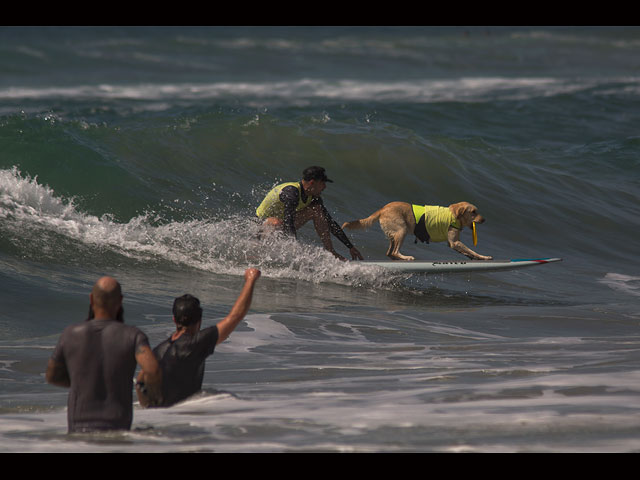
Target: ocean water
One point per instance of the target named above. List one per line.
(142, 152)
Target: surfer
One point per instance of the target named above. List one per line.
(182, 356)
(96, 360)
(290, 205)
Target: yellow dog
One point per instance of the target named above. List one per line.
(427, 222)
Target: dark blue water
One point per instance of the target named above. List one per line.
(143, 152)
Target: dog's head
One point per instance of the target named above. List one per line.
(466, 213)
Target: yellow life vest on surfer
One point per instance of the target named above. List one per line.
(437, 221)
(272, 206)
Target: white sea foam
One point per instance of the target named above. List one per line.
(224, 246)
(623, 283)
(435, 414)
(467, 89)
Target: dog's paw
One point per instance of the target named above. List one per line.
(399, 256)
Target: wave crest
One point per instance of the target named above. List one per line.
(222, 246)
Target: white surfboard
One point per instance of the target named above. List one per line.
(460, 265)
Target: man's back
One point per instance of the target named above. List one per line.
(182, 362)
(100, 358)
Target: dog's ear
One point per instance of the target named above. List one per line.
(458, 209)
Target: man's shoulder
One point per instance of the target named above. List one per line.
(113, 326)
(118, 325)
(159, 349)
(208, 335)
(209, 332)
(204, 334)
(290, 190)
(206, 338)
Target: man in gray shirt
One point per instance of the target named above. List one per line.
(97, 359)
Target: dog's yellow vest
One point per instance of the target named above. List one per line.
(437, 221)
(272, 206)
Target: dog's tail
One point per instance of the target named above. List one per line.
(363, 223)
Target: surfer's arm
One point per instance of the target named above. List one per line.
(337, 231)
(57, 373)
(289, 197)
(453, 239)
(340, 235)
(240, 307)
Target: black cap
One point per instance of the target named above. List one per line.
(315, 173)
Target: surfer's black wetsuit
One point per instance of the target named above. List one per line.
(183, 362)
(290, 197)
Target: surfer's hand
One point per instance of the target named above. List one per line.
(251, 274)
(337, 255)
(355, 254)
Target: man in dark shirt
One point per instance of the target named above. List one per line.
(182, 356)
(290, 205)
(97, 360)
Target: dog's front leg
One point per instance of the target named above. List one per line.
(458, 246)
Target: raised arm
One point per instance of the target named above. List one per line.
(241, 307)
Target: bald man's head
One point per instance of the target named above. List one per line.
(106, 296)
